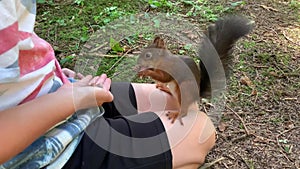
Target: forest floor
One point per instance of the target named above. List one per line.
(260, 127)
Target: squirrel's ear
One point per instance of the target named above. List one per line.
(159, 43)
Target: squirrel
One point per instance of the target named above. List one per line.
(180, 76)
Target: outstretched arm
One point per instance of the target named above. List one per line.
(21, 125)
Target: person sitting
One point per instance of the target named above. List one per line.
(103, 124)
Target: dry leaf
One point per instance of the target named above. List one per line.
(254, 92)
(192, 36)
(246, 81)
(274, 74)
(289, 125)
(222, 127)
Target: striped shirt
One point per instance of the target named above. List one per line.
(28, 69)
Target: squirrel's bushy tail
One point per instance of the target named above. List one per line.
(220, 39)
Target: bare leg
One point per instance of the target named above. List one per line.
(149, 98)
(196, 137)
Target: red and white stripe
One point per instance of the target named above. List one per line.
(37, 66)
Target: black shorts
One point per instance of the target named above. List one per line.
(122, 138)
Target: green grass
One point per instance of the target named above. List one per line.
(67, 25)
(203, 10)
(294, 4)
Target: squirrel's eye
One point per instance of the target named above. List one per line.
(148, 55)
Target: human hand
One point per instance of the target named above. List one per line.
(72, 74)
(89, 91)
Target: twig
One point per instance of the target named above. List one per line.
(103, 55)
(226, 166)
(290, 99)
(263, 139)
(268, 8)
(289, 39)
(243, 160)
(208, 165)
(205, 110)
(283, 153)
(289, 74)
(240, 113)
(95, 49)
(121, 58)
(244, 125)
(239, 138)
(290, 149)
(259, 66)
(286, 131)
(278, 143)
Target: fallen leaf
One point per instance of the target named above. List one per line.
(222, 127)
(289, 125)
(274, 74)
(192, 36)
(254, 92)
(246, 81)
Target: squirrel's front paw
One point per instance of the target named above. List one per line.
(173, 116)
(144, 73)
(163, 88)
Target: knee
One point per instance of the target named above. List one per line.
(194, 147)
(207, 140)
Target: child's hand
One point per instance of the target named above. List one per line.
(89, 91)
(71, 74)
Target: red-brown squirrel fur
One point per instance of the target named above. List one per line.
(180, 75)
